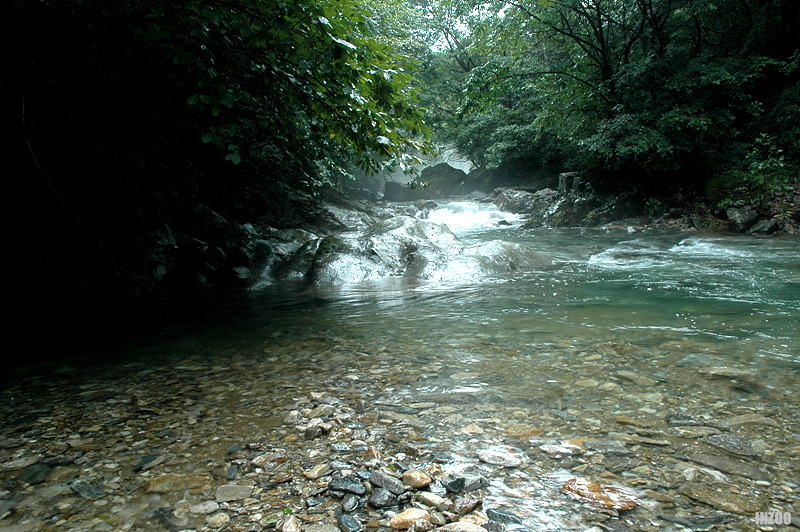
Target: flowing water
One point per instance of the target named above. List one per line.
(631, 326)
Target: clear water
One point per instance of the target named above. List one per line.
(509, 351)
(610, 285)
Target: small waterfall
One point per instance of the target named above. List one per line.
(469, 216)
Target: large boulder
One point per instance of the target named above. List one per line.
(740, 219)
(533, 204)
(404, 246)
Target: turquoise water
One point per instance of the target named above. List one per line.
(611, 284)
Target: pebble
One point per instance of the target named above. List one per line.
(416, 479)
(218, 520)
(499, 458)
(408, 517)
(206, 449)
(233, 492)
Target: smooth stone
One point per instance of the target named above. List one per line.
(732, 443)
(348, 523)
(433, 500)
(726, 465)
(204, 508)
(317, 471)
(637, 379)
(218, 520)
(603, 495)
(382, 498)
(465, 505)
(461, 526)
(503, 516)
(722, 500)
(350, 502)
(86, 490)
(499, 458)
(233, 492)
(607, 446)
(20, 463)
(405, 519)
(347, 485)
(290, 524)
(416, 479)
(454, 484)
(384, 480)
(35, 474)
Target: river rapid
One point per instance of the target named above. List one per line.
(667, 363)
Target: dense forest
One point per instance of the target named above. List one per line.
(144, 134)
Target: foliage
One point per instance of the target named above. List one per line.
(135, 116)
(630, 88)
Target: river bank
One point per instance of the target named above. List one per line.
(659, 363)
(316, 432)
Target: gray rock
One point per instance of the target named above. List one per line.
(87, 490)
(721, 498)
(740, 219)
(347, 485)
(233, 492)
(732, 443)
(765, 227)
(726, 465)
(499, 458)
(348, 523)
(501, 515)
(382, 498)
(607, 447)
(384, 480)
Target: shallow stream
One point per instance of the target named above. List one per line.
(632, 332)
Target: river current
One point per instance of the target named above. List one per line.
(632, 328)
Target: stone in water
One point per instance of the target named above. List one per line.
(613, 497)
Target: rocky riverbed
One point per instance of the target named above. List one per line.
(322, 432)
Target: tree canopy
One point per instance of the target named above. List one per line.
(632, 88)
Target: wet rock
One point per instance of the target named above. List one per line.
(87, 490)
(721, 498)
(561, 450)
(732, 443)
(382, 498)
(317, 471)
(171, 482)
(433, 500)
(465, 505)
(204, 508)
(416, 478)
(607, 447)
(218, 520)
(350, 502)
(603, 495)
(639, 380)
(347, 485)
(501, 515)
(35, 474)
(726, 465)
(473, 483)
(750, 419)
(348, 523)
(406, 518)
(499, 458)
(461, 526)
(233, 492)
(740, 219)
(290, 524)
(20, 463)
(454, 484)
(384, 480)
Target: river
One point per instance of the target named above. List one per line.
(633, 329)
